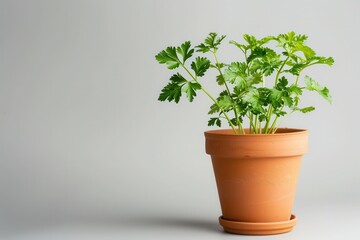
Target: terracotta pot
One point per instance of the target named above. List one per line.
(256, 177)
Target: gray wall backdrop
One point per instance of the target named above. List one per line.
(82, 134)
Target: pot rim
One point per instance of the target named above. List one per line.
(280, 132)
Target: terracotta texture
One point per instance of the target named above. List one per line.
(256, 174)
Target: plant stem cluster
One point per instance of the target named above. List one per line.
(245, 92)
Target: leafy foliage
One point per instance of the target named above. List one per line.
(185, 51)
(211, 43)
(200, 66)
(311, 85)
(169, 57)
(248, 89)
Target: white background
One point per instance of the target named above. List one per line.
(85, 143)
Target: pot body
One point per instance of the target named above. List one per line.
(256, 174)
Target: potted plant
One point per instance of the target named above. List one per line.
(256, 167)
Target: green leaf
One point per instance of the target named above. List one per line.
(190, 89)
(238, 67)
(321, 60)
(225, 102)
(311, 85)
(255, 78)
(214, 109)
(266, 66)
(178, 79)
(241, 46)
(214, 121)
(185, 51)
(288, 101)
(251, 40)
(282, 83)
(306, 109)
(307, 51)
(202, 48)
(276, 97)
(236, 74)
(168, 57)
(296, 68)
(200, 66)
(295, 89)
(279, 113)
(265, 40)
(212, 42)
(170, 92)
(290, 39)
(253, 98)
(257, 52)
(220, 80)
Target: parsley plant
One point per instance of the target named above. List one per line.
(245, 92)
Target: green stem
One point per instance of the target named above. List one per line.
(297, 78)
(211, 97)
(263, 81)
(268, 119)
(260, 130)
(226, 116)
(256, 123)
(252, 126)
(241, 130)
(270, 109)
(283, 120)
(280, 70)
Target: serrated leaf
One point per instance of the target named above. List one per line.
(255, 78)
(282, 83)
(257, 52)
(312, 85)
(214, 109)
(200, 66)
(296, 68)
(190, 89)
(202, 48)
(251, 40)
(178, 79)
(238, 67)
(279, 113)
(295, 89)
(241, 46)
(288, 101)
(168, 57)
(225, 102)
(185, 51)
(290, 39)
(253, 98)
(265, 40)
(307, 51)
(276, 97)
(214, 121)
(170, 92)
(236, 74)
(321, 60)
(223, 93)
(211, 42)
(220, 80)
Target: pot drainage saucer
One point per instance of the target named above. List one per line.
(258, 228)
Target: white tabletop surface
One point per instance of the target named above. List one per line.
(318, 221)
